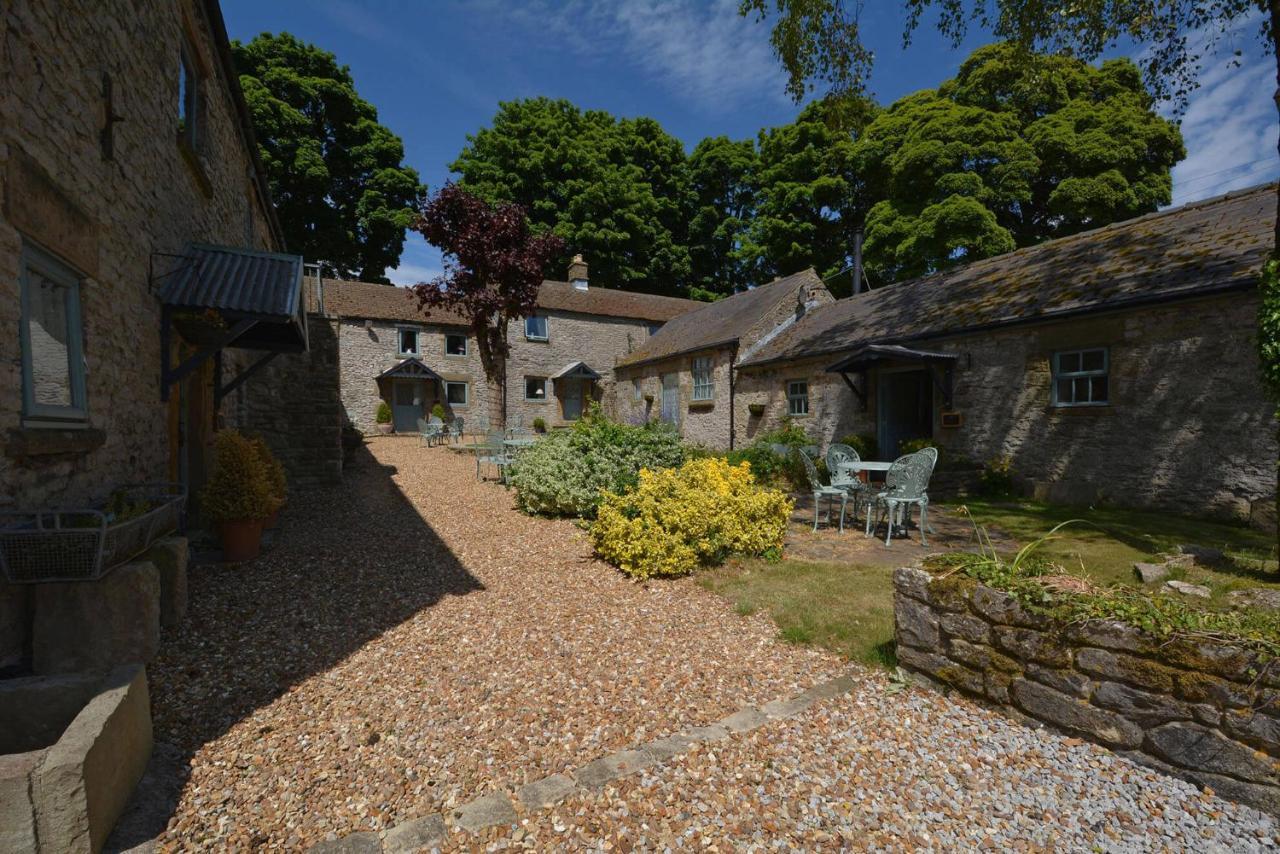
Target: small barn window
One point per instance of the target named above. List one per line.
(637, 390)
(798, 397)
(408, 342)
(456, 393)
(703, 386)
(455, 345)
(53, 384)
(1082, 377)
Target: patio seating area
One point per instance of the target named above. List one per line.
(905, 486)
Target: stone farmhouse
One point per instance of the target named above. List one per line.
(561, 359)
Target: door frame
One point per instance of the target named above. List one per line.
(882, 437)
(419, 395)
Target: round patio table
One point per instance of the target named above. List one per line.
(518, 443)
(862, 467)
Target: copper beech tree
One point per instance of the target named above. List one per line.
(493, 265)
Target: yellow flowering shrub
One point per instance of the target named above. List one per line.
(678, 520)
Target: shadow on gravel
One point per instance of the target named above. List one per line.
(348, 564)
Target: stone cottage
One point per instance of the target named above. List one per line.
(686, 373)
(1114, 365)
(561, 358)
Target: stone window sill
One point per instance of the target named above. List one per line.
(196, 165)
(26, 442)
(1082, 411)
(702, 404)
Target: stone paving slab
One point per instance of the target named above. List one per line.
(414, 835)
(486, 811)
(546, 792)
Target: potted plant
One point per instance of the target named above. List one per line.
(237, 497)
(276, 479)
(539, 425)
(437, 411)
(383, 418)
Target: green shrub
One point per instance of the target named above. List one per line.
(238, 487)
(540, 424)
(864, 443)
(384, 413)
(910, 446)
(272, 468)
(996, 480)
(676, 521)
(564, 473)
(437, 411)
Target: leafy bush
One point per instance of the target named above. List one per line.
(540, 424)
(910, 446)
(679, 520)
(996, 480)
(437, 411)
(238, 488)
(272, 468)
(780, 470)
(564, 473)
(383, 415)
(864, 443)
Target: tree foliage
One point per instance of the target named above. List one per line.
(722, 176)
(337, 176)
(493, 266)
(616, 190)
(1011, 153)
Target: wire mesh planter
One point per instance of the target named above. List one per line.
(83, 545)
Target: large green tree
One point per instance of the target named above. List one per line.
(337, 176)
(615, 190)
(722, 175)
(1011, 152)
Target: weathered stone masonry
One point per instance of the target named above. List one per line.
(1206, 711)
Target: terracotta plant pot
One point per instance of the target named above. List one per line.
(385, 429)
(241, 539)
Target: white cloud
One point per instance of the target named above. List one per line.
(419, 262)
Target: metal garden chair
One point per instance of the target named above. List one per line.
(906, 485)
(456, 429)
(821, 490)
(429, 430)
(493, 453)
(841, 455)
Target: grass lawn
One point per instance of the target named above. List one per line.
(848, 608)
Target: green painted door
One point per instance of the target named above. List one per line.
(904, 409)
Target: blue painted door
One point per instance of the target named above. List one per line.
(571, 398)
(406, 405)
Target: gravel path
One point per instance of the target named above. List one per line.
(412, 641)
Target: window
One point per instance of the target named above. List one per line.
(455, 345)
(52, 339)
(703, 387)
(637, 389)
(455, 393)
(798, 397)
(535, 388)
(535, 328)
(188, 97)
(408, 342)
(1080, 378)
(654, 327)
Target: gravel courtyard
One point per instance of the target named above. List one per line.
(412, 642)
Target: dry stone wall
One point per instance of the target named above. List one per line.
(1206, 711)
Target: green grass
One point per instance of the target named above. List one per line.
(847, 609)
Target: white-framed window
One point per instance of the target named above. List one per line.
(535, 388)
(52, 339)
(455, 345)
(1082, 377)
(704, 387)
(798, 397)
(535, 328)
(654, 327)
(456, 393)
(189, 129)
(637, 390)
(407, 341)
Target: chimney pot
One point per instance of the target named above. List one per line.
(578, 272)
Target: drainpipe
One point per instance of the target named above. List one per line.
(733, 361)
(857, 260)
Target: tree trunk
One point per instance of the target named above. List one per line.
(493, 358)
(1275, 245)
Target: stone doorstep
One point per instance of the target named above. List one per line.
(498, 808)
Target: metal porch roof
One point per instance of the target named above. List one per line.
(873, 354)
(248, 282)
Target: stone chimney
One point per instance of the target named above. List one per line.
(578, 273)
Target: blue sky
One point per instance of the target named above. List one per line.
(437, 70)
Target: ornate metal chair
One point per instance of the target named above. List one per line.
(839, 456)
(493, 453)
(906, 484)
(821, 490)
(456, 429)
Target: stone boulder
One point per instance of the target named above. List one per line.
(1185, 588)
(1258, 598)
(97, 625)
(170, 557)
(1150, 573)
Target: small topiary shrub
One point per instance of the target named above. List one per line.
(383, 415)
(677, 521)
(437, 411)
(996, 480)
(238, 488)
(565, 473)
(864, 443)
(540, 424)
(272, 469)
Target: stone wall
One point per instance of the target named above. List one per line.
(110, 214)
(1205, 711)
(834, 410)
(701, 422)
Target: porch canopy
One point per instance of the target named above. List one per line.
(221, 297)
(409, 369)
(576, 371)
(869, 356)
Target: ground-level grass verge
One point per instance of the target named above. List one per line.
(844, 607)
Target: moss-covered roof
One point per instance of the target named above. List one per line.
(1198, 249)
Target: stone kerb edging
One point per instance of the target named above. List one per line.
(499, 808)
(1202, 710)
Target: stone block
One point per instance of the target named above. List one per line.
(170, 556)
(951, 593)
(1183, 588)
(942, 669)
(980, 657)
(595, 774)
(1257, 598)
(1126, 668)
(1112, 635)
(915, 623)
(1067, 681)
(1045, 704)
(546, 792)
(744, 720)
(996, 686)
(1150, 573)
(1202, 554)
(787, 708)
(35, 710)
(17, 811)
(1199, 748)
(1199, 687)
(84, 781)
(361, 842)
(913, 582)
(966, 627)
(97, 625)
(1215, 657)
(1031, 645)
(414, 835)
(999, 607)
(1142, 707)
(15, 622)
(490, 810)
(1261, 731)
(831, 689)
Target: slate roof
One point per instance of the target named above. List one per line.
(1206, 247)
(383, 302)
(718, 323)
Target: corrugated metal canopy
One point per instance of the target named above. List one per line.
(410, 368)
(873, 354)
(267, 285)
(576, 370)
